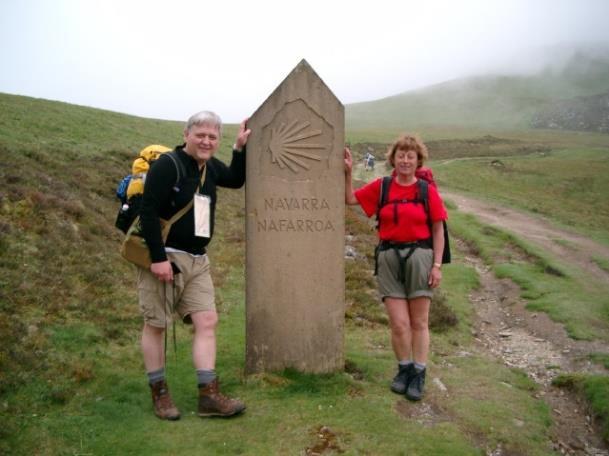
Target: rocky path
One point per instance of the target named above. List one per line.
(541, 348)
(532, 341)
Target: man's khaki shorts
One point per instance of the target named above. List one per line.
(416, 274)
(192, 288)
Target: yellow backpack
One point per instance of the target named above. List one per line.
(140, 168)
(131, 188)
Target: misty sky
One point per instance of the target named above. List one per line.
(169, 59)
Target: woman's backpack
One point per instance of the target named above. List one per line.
(424, 180)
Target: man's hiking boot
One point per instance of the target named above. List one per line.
(415, 388)
(402, 378)
(161, 400)
(214, 403)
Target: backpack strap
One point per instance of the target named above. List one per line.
(383, 196)
(179, 166)
(423, 196)
(423, 187)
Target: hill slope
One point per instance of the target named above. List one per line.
(580, 113)
(58, 247)
(495, 102)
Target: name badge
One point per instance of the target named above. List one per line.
(202, 215)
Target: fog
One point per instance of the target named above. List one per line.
(169, 59)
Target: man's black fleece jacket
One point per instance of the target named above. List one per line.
(163, 198)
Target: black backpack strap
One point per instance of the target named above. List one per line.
(423, 196)
(178, 164)
(383, 196)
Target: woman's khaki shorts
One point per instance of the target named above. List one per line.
(193, 291)
(417, 270)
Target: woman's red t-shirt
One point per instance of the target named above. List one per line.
(412, 219)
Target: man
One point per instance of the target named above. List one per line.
(368, 161)
(179, 278)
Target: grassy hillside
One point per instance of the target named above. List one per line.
(569, 186)
(497, 102)
(579, 113)
(58, 259)
(30, 123)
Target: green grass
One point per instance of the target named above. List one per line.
(600, 358)
(595, 388)
(40, 127)
(86, 411)
(570, 186)
(601, 262)
(546, 284)
(59, 264)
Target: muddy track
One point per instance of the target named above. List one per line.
(532, 341)
(578, 249)
(541, 348)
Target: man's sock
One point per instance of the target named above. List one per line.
(405, 362)
(156, 376)
(205, 376)
(419, 366)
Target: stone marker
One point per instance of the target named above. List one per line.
(295, 229)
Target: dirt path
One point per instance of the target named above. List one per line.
(532, 341)
(559, 242)
(541, 348)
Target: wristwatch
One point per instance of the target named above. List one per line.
(437, 265)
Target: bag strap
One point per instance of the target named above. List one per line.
(186, 208)
(383, 195)
(422, 197)
(179, 165)
(178, 214)
(202, 177)
(423, 187)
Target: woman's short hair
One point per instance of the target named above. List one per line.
(205, 118)
(408, 142)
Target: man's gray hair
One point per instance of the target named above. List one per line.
(205, 118)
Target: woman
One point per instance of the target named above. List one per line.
(409, 256)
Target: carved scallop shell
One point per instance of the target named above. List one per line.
(288, 147)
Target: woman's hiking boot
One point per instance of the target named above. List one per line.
(214, 403)
(415, 388)
(161, 400)
(402, 378)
